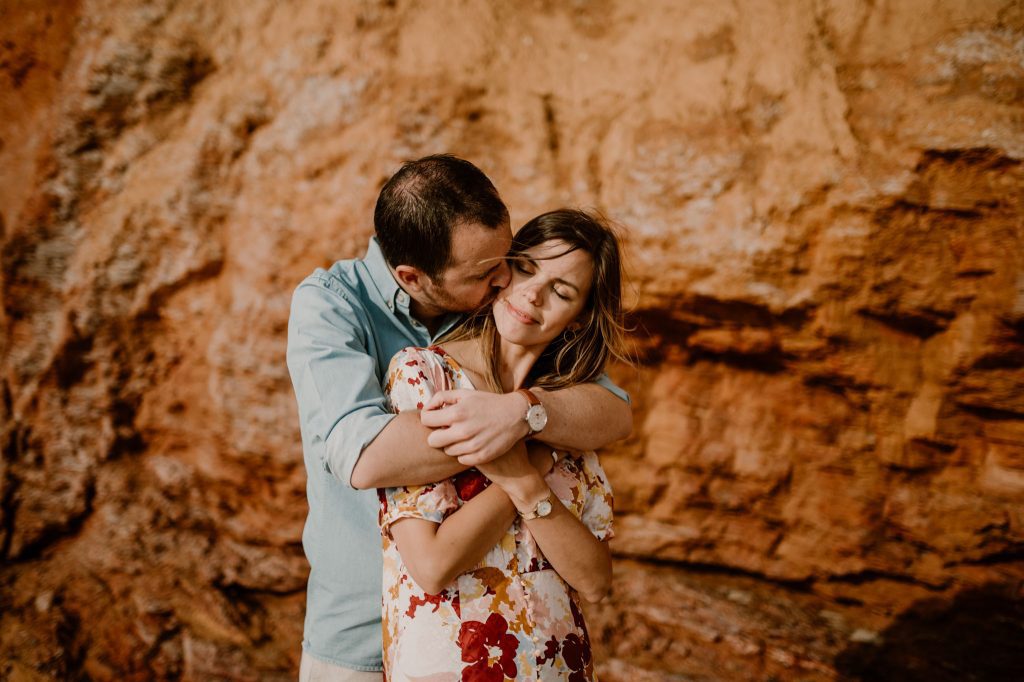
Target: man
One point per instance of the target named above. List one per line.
(442, 232)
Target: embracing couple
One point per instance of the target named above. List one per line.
(451, 390)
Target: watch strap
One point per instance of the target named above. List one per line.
(530, 397)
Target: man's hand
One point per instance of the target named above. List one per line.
(475, 426)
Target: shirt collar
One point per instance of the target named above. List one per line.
(394, 296)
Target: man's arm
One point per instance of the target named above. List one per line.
(400, 456)
(341, 403)
(476, 426)
(584, 417)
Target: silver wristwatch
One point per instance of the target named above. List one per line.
(536, 416)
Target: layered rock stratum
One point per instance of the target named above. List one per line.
(822, 205)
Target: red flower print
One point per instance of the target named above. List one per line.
(576, 648)
(434, 599)
(477, 639)
(576, 652)
(469, 484)
(577, 617)
(550, 651)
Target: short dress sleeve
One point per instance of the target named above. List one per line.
(598, 502)
(414, 375)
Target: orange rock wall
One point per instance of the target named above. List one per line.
(823, 208)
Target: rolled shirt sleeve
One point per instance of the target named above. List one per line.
(340, 400)
(608, 384)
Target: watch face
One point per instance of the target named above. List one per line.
(543, 507)
(537, 418)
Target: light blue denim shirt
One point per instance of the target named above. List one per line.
(346, 324)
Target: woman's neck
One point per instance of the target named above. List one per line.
(515, 363)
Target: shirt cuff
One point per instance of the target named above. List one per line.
(348, 439)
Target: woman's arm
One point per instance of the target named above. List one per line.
(570, 547)
(435, 554)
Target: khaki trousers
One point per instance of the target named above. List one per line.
(314, 670)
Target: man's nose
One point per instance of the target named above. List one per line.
(502, 276)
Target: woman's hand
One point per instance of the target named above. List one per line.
(514, 465)
(542, 457)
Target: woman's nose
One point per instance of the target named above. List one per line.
(533, 294)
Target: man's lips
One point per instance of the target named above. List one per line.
(519, 314)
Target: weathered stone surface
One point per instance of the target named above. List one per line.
(822, 204)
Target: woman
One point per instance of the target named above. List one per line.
(482, 582)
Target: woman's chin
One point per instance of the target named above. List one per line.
(510, 332)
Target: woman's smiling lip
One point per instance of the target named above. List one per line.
(519, 314)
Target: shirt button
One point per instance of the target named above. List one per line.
(403, 298)
(391, 306)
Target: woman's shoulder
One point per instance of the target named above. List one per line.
(431, 357)
(426, 369)
(410, 356)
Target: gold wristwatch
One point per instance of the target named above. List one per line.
(540, 510)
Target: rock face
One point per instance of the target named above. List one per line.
(823, 203)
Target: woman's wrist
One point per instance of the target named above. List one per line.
(527, 491)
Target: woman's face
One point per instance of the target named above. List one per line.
(546, 294)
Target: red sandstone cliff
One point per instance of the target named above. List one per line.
(824, 212)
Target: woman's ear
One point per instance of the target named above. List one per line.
(410, 278)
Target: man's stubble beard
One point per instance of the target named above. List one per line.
(446, 303)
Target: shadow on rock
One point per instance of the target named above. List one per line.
(979, 635)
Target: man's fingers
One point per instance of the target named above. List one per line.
(437, 419)
(442, 418)
(443, 438)
(472, 455)
(442, 398)
(461, 448)
(472, 460)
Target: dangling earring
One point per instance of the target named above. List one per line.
(571, 332)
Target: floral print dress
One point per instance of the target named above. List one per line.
(512, 617)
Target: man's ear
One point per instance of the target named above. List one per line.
(411, 278)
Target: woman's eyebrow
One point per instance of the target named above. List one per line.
(559, 280)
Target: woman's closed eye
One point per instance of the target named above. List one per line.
(524, 267)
